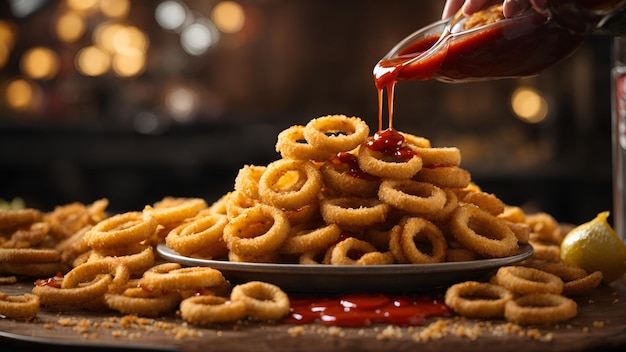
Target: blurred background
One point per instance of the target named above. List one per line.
(137, 100)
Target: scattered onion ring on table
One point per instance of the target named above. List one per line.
(474, 299)
(24, 306)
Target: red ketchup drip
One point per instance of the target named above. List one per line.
(54, 281)
(351, 162)
(361, 310)
(390, 142)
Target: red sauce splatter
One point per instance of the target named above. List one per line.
(390, 142)
(361, 310)
(352, 164)
(54, 281)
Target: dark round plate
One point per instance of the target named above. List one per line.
(331, 279)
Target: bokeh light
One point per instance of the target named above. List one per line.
(40, 63)
(82, 5)
(21, 95)
(70, 26)
(92, 61)
(171, 15)
(529, 105)
(129, 63)
(115, 8)
(228, 16)
(198, 37)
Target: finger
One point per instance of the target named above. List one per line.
(511, 8)
(451, 7)
(472, 6)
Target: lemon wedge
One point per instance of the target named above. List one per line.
(594, 246)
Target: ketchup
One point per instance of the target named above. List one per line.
(391, 143)
(517, 48)
(362, 309)
(352, 164)
(54, 281)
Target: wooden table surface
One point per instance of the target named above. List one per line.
(599, 325)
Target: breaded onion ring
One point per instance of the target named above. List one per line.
(236, 202)
(306, 190)
(582, 285)
(414, 141)
(141, 302)
(182, 279)
(526, 280)
(540, 309)
(344, 178)
(381, 165)
(53, 296)
(416, 198)
(353, 251)
(247, 180)
(336, 133)
(440, 156)
(486, 201)
(121, 230)
(204, 310)
(18, 217)
(137, 260)
(444, 176)
(29, 255)
(353, 212)
(201, 236)
(416, 232)
(171, 211)
(24, 306)
(478, 299)
(291, 144)
(90, 270)
(259, 230)
(482, 232)
(263, 301)
(302, 240)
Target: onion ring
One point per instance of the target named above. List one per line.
(547, 252)
(414, 141)
(14, 218)
(121, 230)
(438, 157)
(353, 212)
(461, 255)
(205, 310)
(395, 245)
(291, 144)
(486, 201)
(29, 255)
(444, 176)
(201, 236)
(53, 296)
(303, 240)
(416, 230)
(478, 299)
(237, 202)
(540, 309)
(375, 163)
(351, 252)
(259, 230)
(526, 280)
(247, 180)
(171, 211)
(89, 270)
(137, 261)
(24, 306)
(416, 198)
(144, 303)
(263, 301)
(290, 198)
(336, 133)
(482, 232)
(342, 179)
(582, 285)
(564, 271)
(182, 279)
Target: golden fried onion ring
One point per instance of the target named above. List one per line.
(353, 212)
(24, 306)
(336, 133)
(482, 232)
(263, 301)
(540, 309)
(182, 278)
(141, 302)
(417, 198)
(201, 236)
(444, 176)
(416, 231)
(259, 230)
(525, 280)
(305, 190)
(121, 230)
(353, 251)
(29, 255)
(378, 164)
(302, 240)
(88, 271)
(205, 309)
(291, 144)
(478, 299)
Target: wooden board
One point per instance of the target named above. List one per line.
(599, 325)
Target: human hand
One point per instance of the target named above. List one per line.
(510, 8)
